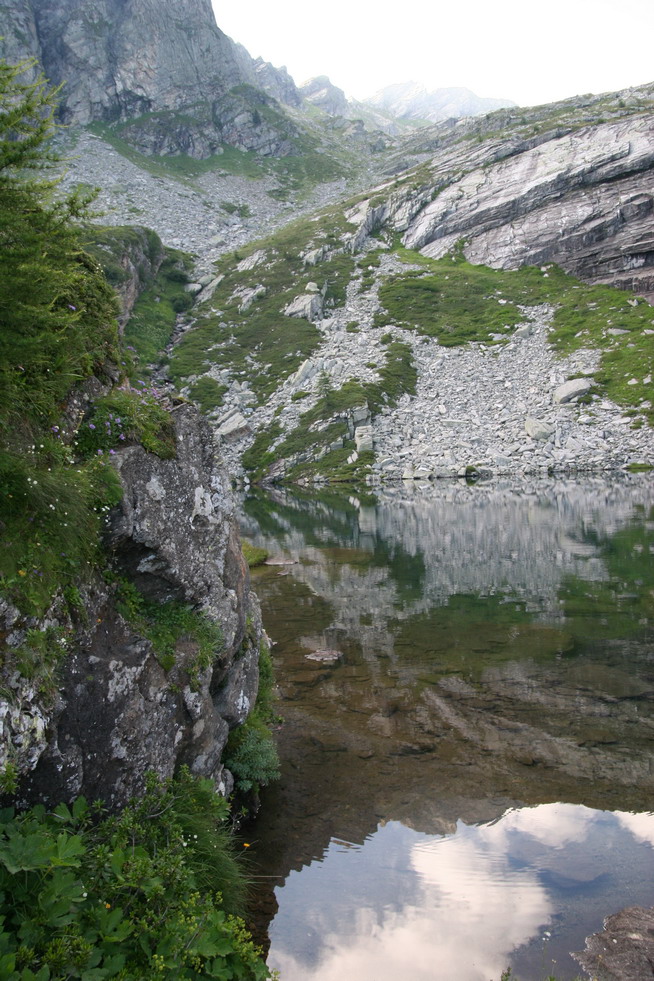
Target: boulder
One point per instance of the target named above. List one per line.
(538, 428)
(571, 390)
(624, 950)
(232, 424)
(308, 306)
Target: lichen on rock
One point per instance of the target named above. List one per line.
(121, 710)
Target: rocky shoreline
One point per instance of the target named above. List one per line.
(500, 409)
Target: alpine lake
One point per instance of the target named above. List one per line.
(465, 679)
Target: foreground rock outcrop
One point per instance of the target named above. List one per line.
(121, 709)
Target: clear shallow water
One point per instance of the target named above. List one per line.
(496, 658)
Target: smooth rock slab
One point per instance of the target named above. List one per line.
(308, 306)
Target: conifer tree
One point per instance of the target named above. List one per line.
(57, 314)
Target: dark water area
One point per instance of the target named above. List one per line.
(466, 681)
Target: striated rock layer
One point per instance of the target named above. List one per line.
(582, 197)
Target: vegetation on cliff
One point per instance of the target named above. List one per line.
(156, 890)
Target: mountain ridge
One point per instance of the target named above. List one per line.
(412, 100)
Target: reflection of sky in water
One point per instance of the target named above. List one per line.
(454, 908)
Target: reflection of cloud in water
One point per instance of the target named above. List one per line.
(640, 825)
(453, 907)
(553, 825)
(468, 912)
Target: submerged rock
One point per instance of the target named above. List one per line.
(624, 950)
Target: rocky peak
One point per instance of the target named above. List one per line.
(276, 82)
(164, 63)
(410, 100)
(120, 58)
(321, 92)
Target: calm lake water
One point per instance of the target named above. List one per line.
(469, 783)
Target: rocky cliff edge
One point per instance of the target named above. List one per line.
(120, 710)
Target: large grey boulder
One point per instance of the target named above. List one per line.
(538, 428)
(571, 390)
(308, 306)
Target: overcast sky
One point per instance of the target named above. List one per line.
(529, 52)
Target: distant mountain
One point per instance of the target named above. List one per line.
(321, 92)
(410, 100)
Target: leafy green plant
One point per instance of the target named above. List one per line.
(165, 624)
(251, 754)
(154, 316)
(208, 393)
(253, 556)
(152, 892)
(136, 415)
(53, 511)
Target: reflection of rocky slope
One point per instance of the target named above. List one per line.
(514, 541)
(462, 668)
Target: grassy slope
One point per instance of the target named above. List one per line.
(448, 299)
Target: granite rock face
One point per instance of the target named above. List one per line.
(122, 59)
(119, 713)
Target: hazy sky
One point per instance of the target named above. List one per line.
(526, 51)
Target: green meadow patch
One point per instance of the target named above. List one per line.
(457, 303)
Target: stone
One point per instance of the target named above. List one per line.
(308, 306)
(247, 296)
(624, 950)
(570, 390)
(231, 425)
(245, 265)
(538, 429)
(363, 439)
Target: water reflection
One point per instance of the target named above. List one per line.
(460, 907)
(496, 649)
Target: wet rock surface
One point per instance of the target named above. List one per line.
(624, 950)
